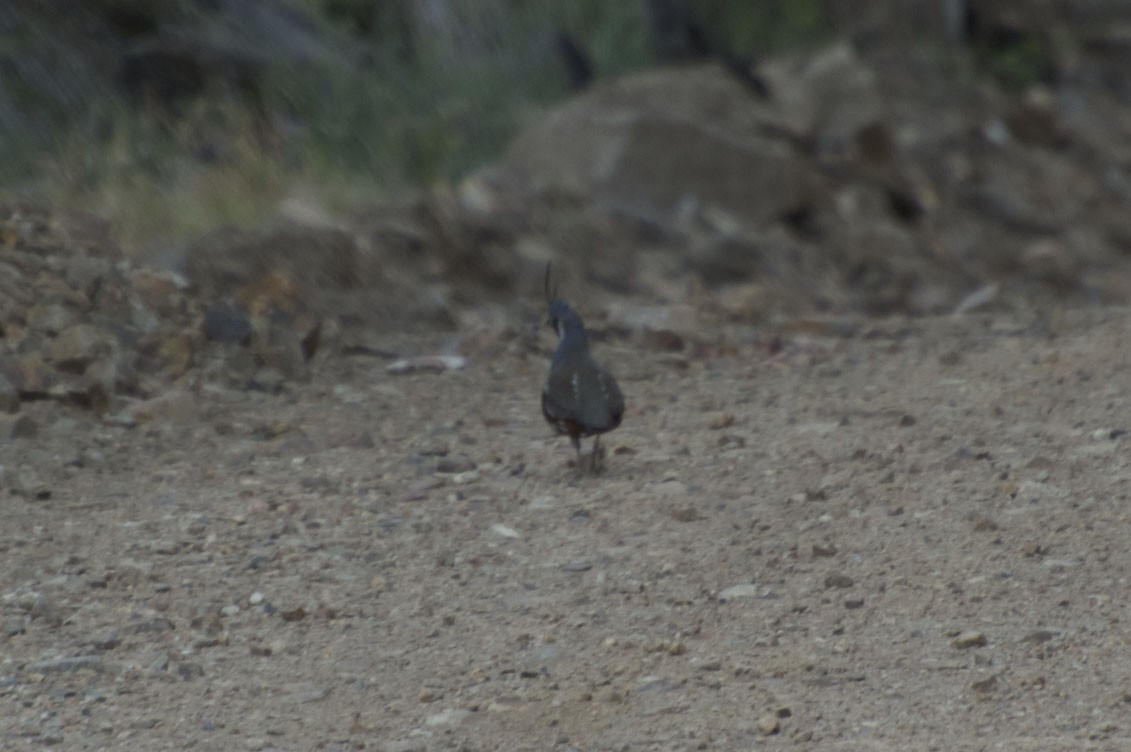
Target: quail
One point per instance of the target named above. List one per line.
(579, 398)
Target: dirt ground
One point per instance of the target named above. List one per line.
(912, 537)
(870, 492)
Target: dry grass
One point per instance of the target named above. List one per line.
(338, 134)
(159, 186)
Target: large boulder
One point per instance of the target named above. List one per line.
(650, 144)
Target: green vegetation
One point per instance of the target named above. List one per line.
(767, 27)
(149, 176)
(403, 101)
(1018, 64)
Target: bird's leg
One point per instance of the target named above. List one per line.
(575, 439)
(596, 458)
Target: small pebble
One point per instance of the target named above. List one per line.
(987, 686)
(543, 502)
(25, 427)
(970, 640)
(462, 479)
(459, 463)
(1038, 637)
(448, 717)
(745, 590)
(427, 363)
(671, 489)
(769, 725)
(721, 420)
(685, 514)
(52, 735)
(17, 625)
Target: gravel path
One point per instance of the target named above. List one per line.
(914, 538)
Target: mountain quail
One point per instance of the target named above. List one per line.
(579, 398)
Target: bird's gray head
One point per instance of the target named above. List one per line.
(564, 319)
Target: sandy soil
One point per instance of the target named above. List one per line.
(911, 538)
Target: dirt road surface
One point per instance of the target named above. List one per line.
(913, 537)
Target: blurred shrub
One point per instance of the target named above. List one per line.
(377, 93)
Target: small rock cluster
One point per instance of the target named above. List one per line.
(78, 323)
(81, 325)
